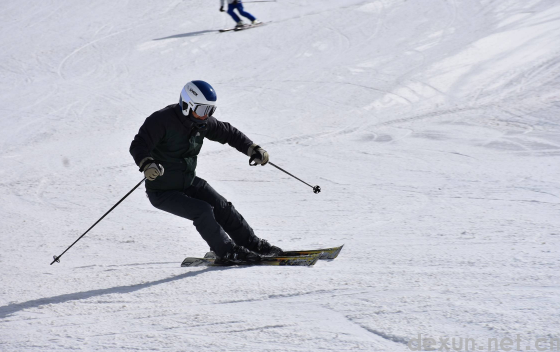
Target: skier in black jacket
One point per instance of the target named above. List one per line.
(166, 149)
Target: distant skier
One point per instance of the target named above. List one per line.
(166, 149)
(236, 4)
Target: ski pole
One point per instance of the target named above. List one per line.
(316, 189)
(57, 259)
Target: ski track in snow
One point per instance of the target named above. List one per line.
(432, 128)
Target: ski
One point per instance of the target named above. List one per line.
(306, 260)
(325, 253)
(247, 26)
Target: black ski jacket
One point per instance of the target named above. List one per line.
(170, 138)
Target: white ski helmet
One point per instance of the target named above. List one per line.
(200, 97)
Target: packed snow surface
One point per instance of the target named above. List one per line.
(431, 126)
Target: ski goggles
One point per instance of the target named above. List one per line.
(202, 110)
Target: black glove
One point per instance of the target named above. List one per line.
(257, 155)
(222, 9)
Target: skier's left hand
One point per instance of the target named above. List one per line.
(222, 9)
(257, 155)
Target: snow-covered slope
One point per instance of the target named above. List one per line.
(432, 127)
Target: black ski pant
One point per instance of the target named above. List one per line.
(213, 216)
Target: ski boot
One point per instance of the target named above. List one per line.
(240, 25)
(264, 248)
(238, 255)
(256, 22)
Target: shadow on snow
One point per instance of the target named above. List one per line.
(191, 34)
(16, 307)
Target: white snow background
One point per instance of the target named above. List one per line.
(432, 127)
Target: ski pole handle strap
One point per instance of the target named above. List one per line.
(252, 159)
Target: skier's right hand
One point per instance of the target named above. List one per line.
(151, 168)
(222, 9)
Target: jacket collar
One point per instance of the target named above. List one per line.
(186, 122)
